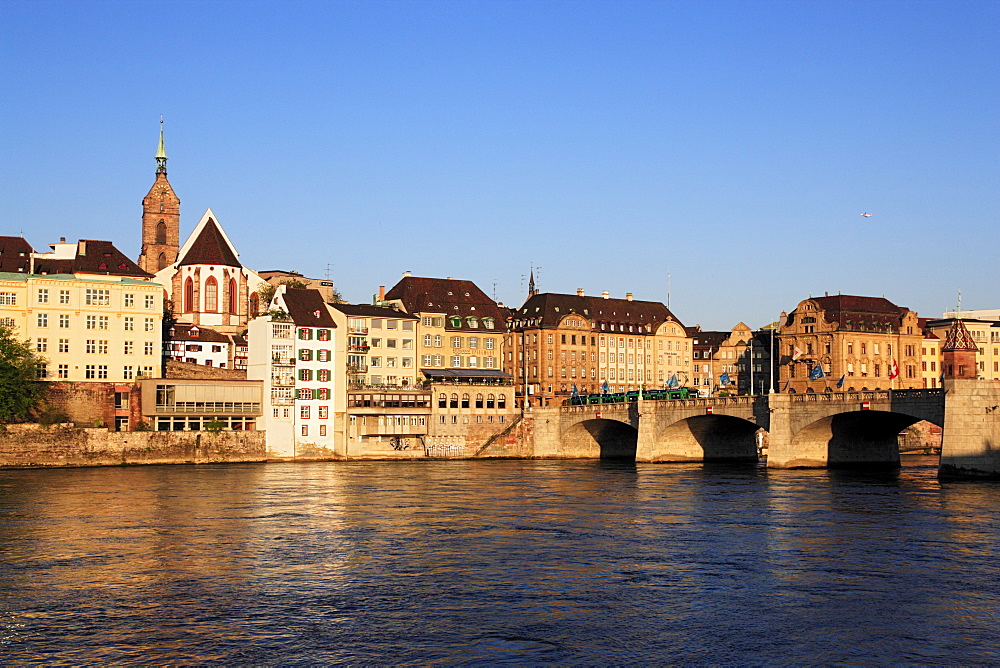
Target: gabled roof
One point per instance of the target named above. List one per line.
(371, 311)
(449, 296)
(547, 308)
(92, 256)
(15, 254)
(707, 339)
(208, 244)
(306, 307)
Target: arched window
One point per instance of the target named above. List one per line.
(442, 400)
(454, 401)
(232, 296)
(502, 400)
(161, 232)
(254, 303)
(161, 261)
(479, 401)
(490, 401)
(211, 295)
(188, 296)
(465, 401)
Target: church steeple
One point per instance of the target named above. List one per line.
(161, 218)
(161, 153)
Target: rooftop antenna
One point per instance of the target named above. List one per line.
(958, 307)
(494, 289)
(328, 265)
(668, 288)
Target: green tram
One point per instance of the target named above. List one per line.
(626, 397)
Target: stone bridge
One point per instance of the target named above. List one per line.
(802, 430)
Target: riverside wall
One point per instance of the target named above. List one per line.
(31, 445)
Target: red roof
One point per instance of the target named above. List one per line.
(210, 248)
(15, 254)
(547, 308)
(449, 296)
(307, 308)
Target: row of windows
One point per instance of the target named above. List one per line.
(457, 342)
(95, 346)
(321, 355)
(92, 297)
(407, 362)
(389, 343)
(461, 361)
(210, 297)
(307, 333)
(100, 322)
(321, 375)
(456, 321)
(490, 401)
(94, 371)
(443, 419)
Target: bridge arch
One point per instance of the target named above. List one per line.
(707, 438)
(600, 438)
(854, 438)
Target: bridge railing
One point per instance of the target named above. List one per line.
(870, 395)
(720, 402)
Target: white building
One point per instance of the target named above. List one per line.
(295, 356)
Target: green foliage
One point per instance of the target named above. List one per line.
(20, 392)
(50, 415)
(214, 426)
(141, 426)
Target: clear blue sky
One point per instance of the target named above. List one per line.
(734, 144)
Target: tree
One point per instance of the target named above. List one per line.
(20, 391)
(266, 292)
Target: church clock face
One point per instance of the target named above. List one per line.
(163, 192)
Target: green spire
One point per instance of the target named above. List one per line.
(161, 153)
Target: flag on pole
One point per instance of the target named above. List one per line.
(840, 383)
(787, 382)
(724, 379)
(605, 388)
(796, 353)
(893, 370)
(576, 392)
(673, 382)
(816, 373)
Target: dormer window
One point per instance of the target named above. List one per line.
(473, 322)
(456, 321)
(194, 332)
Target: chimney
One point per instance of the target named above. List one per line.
(628, 296)
(579, 292)
(449, 279)
(381, 293)
(604, 293)
(62, 240)
(83, 247)
(407, 274)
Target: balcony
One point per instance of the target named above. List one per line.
(357, 368)
(284, 380)
(283, 361)
(357, 330)
(358, 349)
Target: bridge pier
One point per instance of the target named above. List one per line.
(970, 447)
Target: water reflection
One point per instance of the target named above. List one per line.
(486, 562)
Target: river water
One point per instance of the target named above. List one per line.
(478, 562)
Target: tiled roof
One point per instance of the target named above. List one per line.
(449, 296)
(210, 248)
(958, 338)
(307, 308)
(93, 256)
(179, 332)
(15, 254)
(546, 309)
(707, 340)
(370, 311)
(101, 257)
(852, 310)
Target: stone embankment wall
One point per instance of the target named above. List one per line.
(30, 445)
(187, 370)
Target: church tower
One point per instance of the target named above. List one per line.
(161, 219)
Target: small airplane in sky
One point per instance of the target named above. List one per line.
(866, 215)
